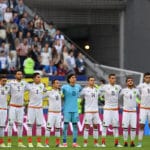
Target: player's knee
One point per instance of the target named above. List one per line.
(19, 124)
(57, 129)
(10, 123)
(30, 125)
(48, 128)
(86, 126)
(38, 125)
(95, 126)
(142, 126)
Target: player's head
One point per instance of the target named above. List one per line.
(71, 79)
(147, 77)
(36, 78)
(3, 79)
(112, 78)
(55, 84)
(91, 81)
(130, 82)
(18, 75)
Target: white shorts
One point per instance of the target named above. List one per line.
(91, 118)
(111, 117)
(144, 115)
(3, 117)
(35, 115)
(16, 114)
(129, 118)
(54, 120)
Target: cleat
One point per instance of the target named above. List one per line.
(47, 145)
(59, 145)
(118, 145)
(125, 144)
(21, 145)
(97, 145)
(132, 145)
(40, 145)
(30, 145)
(85, 145)
(139, 145)
(65, 145)
(75, 145)
(3, 145)
(9, 145)
(103, 145)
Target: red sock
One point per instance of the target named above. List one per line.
(9, 140)
(57, 141)
(95, 141)
(19, 140)
(116, 141)
(103, 140)
(47, 141)
(85, 141)
(126, 142)
(132, 142)
(29, 139)
(39, 139)
(1, 141)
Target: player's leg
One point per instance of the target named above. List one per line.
(75, 119)
(39, 122)
(50, 124)
(57, 130)
(3, 115)
(115, 123)
(106, 122)
(133, 121)
(125, 125)
(143, 117)
(11, 120)
(30, 122)
(87, 122)
(67, 119)
(96, 121)
(19, 120)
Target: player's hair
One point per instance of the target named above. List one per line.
(18, 71)
(103, 81)
(90, 77)
(53, 81)
(111, 74)
(69, 76)
(129, 77)
(35, 74)
(146, 74)
(2, 76)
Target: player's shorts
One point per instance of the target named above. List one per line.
(3, 117)
(129, 118)
(110, 117)
(54, 120)
(144, 115)
(16, 114)
(71, 117)
(35, 115)
(91, 118)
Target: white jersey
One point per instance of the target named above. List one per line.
(36, 94)
(54, 100)
(4, 91)
(91, 99)
(17, 90)
(145, 94)
(129, 98)
(111, 95)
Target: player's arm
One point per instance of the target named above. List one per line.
(120, 98)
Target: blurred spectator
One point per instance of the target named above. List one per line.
(22, 51)
(61, 70)
(50, 70)
(20, 8)
(3, 7)
(19, 37)
(29, 39)
(59, 36)
(29, 65)
(11, 59)
(46, 55)
(8, 15)
(46, 39)
(23, 25)
(75, 50)
(12, 4)
(71, 62)
(58, 46)
(3, 62)
(36, 42)
(55, 56)
(2, 32)
(80, 64)
(51, 30)
(65, 54)
(16, 18)
(4, 48)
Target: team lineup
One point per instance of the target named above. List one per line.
(114, 96)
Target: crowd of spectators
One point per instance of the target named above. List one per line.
(26, 44)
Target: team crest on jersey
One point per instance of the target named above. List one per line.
(6, 87)
(22, 84)
(116, 88)
(134, 92)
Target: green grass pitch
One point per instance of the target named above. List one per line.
(109, 144)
